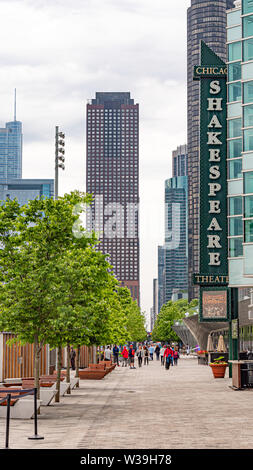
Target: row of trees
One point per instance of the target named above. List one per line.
(55, 287)
(170, 313)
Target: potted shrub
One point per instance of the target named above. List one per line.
(219, 367)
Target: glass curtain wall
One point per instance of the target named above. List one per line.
(240, 141)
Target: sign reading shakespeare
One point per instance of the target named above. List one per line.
(213, 170)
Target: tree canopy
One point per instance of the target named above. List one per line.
(169, 313)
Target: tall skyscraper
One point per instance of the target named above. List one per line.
(172, 256)
(11, 150)
(112, 176)
(205, 21)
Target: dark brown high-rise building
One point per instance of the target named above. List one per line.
(206, 20)
(112, 176)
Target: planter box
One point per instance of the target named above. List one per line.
(219, 370)
(92, 374)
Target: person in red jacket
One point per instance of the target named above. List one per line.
(168, 355)
(125, 356)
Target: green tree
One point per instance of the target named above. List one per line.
(34, 237)
(169, 313)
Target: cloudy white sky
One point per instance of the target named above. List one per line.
(58, 53)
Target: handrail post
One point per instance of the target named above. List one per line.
(35, 417)
(8, 421)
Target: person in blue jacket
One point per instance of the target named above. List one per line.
(115, 352)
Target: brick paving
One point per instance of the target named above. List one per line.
(150, 407)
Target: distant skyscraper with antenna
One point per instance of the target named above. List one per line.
(11, 140)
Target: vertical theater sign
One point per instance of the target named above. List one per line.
(213, 275)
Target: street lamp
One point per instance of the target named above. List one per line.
(59, 156)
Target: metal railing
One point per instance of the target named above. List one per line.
(21, 393)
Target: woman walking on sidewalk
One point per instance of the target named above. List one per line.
(146, 356)
(140, 354)
(162, 355)
(176, 356)
(157, 351)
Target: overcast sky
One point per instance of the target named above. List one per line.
(58, 53)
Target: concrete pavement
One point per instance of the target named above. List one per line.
(150, 407)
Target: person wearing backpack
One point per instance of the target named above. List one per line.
(146, 356)
(168, 354)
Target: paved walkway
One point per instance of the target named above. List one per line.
(183, 408)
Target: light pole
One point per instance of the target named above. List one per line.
(59, 157)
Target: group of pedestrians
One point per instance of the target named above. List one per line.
(168, 355)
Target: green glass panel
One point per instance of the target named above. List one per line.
(248, 50)
(234, 110)
(235, 91)
(234, 148)
(248, 92)
(235, 226)
(247, 26)
(234, 51)
(234, 128)
(235, 205)
(248, 161)
(233, 34)
(247, 7)
(248, 140)
(248, 182)
(248, 116)
(248, 206)
(234, 72)
(247, 71)
(248, 231)
(234, 18)
(235, 169)
(235, 247)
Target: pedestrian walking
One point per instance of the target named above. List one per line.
(162, 355)
(157, 351)
(140, 355)
(125, 357)
(116, 354)
(176, 356)
(151, 351)
(187, 349)
(108, 353)
(73, 358)
(131, 354)
(168, 356)
(146, 355)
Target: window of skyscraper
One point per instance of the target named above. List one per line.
(247, 6)
(234, 72)
(234, 51)
(248, 26)
(248, 50)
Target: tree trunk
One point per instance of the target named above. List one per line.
(78, 364)
(68, 369)
(37, 350)
(58, 380)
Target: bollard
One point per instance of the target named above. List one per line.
(8, 421)
(35, 436)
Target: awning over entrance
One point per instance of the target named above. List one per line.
(200, 331)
